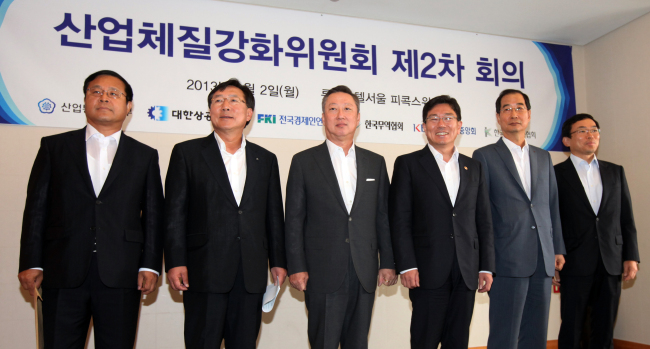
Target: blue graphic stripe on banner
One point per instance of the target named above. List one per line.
(560, 63)
(9, 113)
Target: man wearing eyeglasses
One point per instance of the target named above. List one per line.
(600, 237)
(441, 229)
(92, 223)
(224, 225)
(527, 232)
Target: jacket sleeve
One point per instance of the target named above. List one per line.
(484, 226)
(176, 210)
(153, 204)
(628, 227)
(554, 206)
(386, 260)
(275, 219)
(400, 209)
(36, 208)
(296, 212)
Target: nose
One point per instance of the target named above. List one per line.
(225, 105)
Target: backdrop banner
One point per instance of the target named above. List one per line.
(174, 52)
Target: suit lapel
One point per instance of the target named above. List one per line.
(362, 175)
(570, 174)
(428, 162)
(606, 178)
(534, 168)
(253, 168)
(464, 176)
(77, 145)
(506, 156)
(324, 161)
(120, 161)
(214, 161)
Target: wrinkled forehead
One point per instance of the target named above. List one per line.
(106, 82)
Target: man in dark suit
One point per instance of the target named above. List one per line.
(92, 223)
(336, 223)
(527, 232)
(224, 225)
(599, 234)
(441, 233)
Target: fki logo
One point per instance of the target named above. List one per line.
(265, 119)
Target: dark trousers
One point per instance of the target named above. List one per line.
(599, 293)
(519, 309)
(235, 317)
(442, 315)
(67, 313)
(340, 317)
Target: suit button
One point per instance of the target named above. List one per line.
(350, 219)
(451, 236)
(597, 219)
(533, 227)
(239, 238)
(347, 241)
(240, 212)
(98, 202)
(531, 205)
(453, 214)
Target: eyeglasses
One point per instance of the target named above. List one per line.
(510, 109)
(110, 93)
(445, 119)
(583, 132)
(232, 100)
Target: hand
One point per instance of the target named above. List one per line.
(630, 268)
(31, 279)
(556, 279)
(299, 280)
(411, 279)
(559, 262)
(278, 273)
(147, 281)
(177, 278)
(484, 282)
(386, 277)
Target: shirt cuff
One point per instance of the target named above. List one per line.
(41, 269)
(404, 271)
(151, 270)
(486, 272)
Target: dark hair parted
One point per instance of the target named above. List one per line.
(509, 92)
(343, 89)
(128, 91)
(442, 99)
(568, 123)
(248, 95)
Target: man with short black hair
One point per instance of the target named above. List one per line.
(441, 229)
(92, 223)
(600, 237)
(224, 225)
(336, 226)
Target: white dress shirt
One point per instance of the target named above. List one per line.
(589, 174)
(235, 166)
(100, 152)
(345, 168)
(521, 156)
(450, 172)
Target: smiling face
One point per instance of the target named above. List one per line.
(513, 116)
(442, 126)
(583, 145)
(103, 111)
(340, 117)
(228, 110)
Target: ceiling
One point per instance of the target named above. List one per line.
(571, 22)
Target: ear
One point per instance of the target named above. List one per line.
(460, 126)
(249, 114)
(129, 107)
(566, 141)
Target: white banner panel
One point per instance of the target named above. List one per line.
(174, 52)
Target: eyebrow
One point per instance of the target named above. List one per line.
(222, 95)
(505, 105)
(445, 114)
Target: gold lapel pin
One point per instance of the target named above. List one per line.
(466, 167)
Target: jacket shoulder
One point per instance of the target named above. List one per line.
(139, 146)
(259, 150)
(59, 137)
(368, 153)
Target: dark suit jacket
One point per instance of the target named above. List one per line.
(610, 234)
(63, 217)
(428, 231)
(519, 222)
(205, 229)
(322, 236)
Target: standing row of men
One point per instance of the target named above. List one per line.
(96, 222)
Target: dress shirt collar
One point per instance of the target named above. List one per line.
(91, 131)
(512, 146)
(439, 156)
(333, 148)
(578, 161)
(222, 144)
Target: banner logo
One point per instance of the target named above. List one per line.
(46, 106)
(158, 113)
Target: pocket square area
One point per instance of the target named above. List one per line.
(370, 179)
